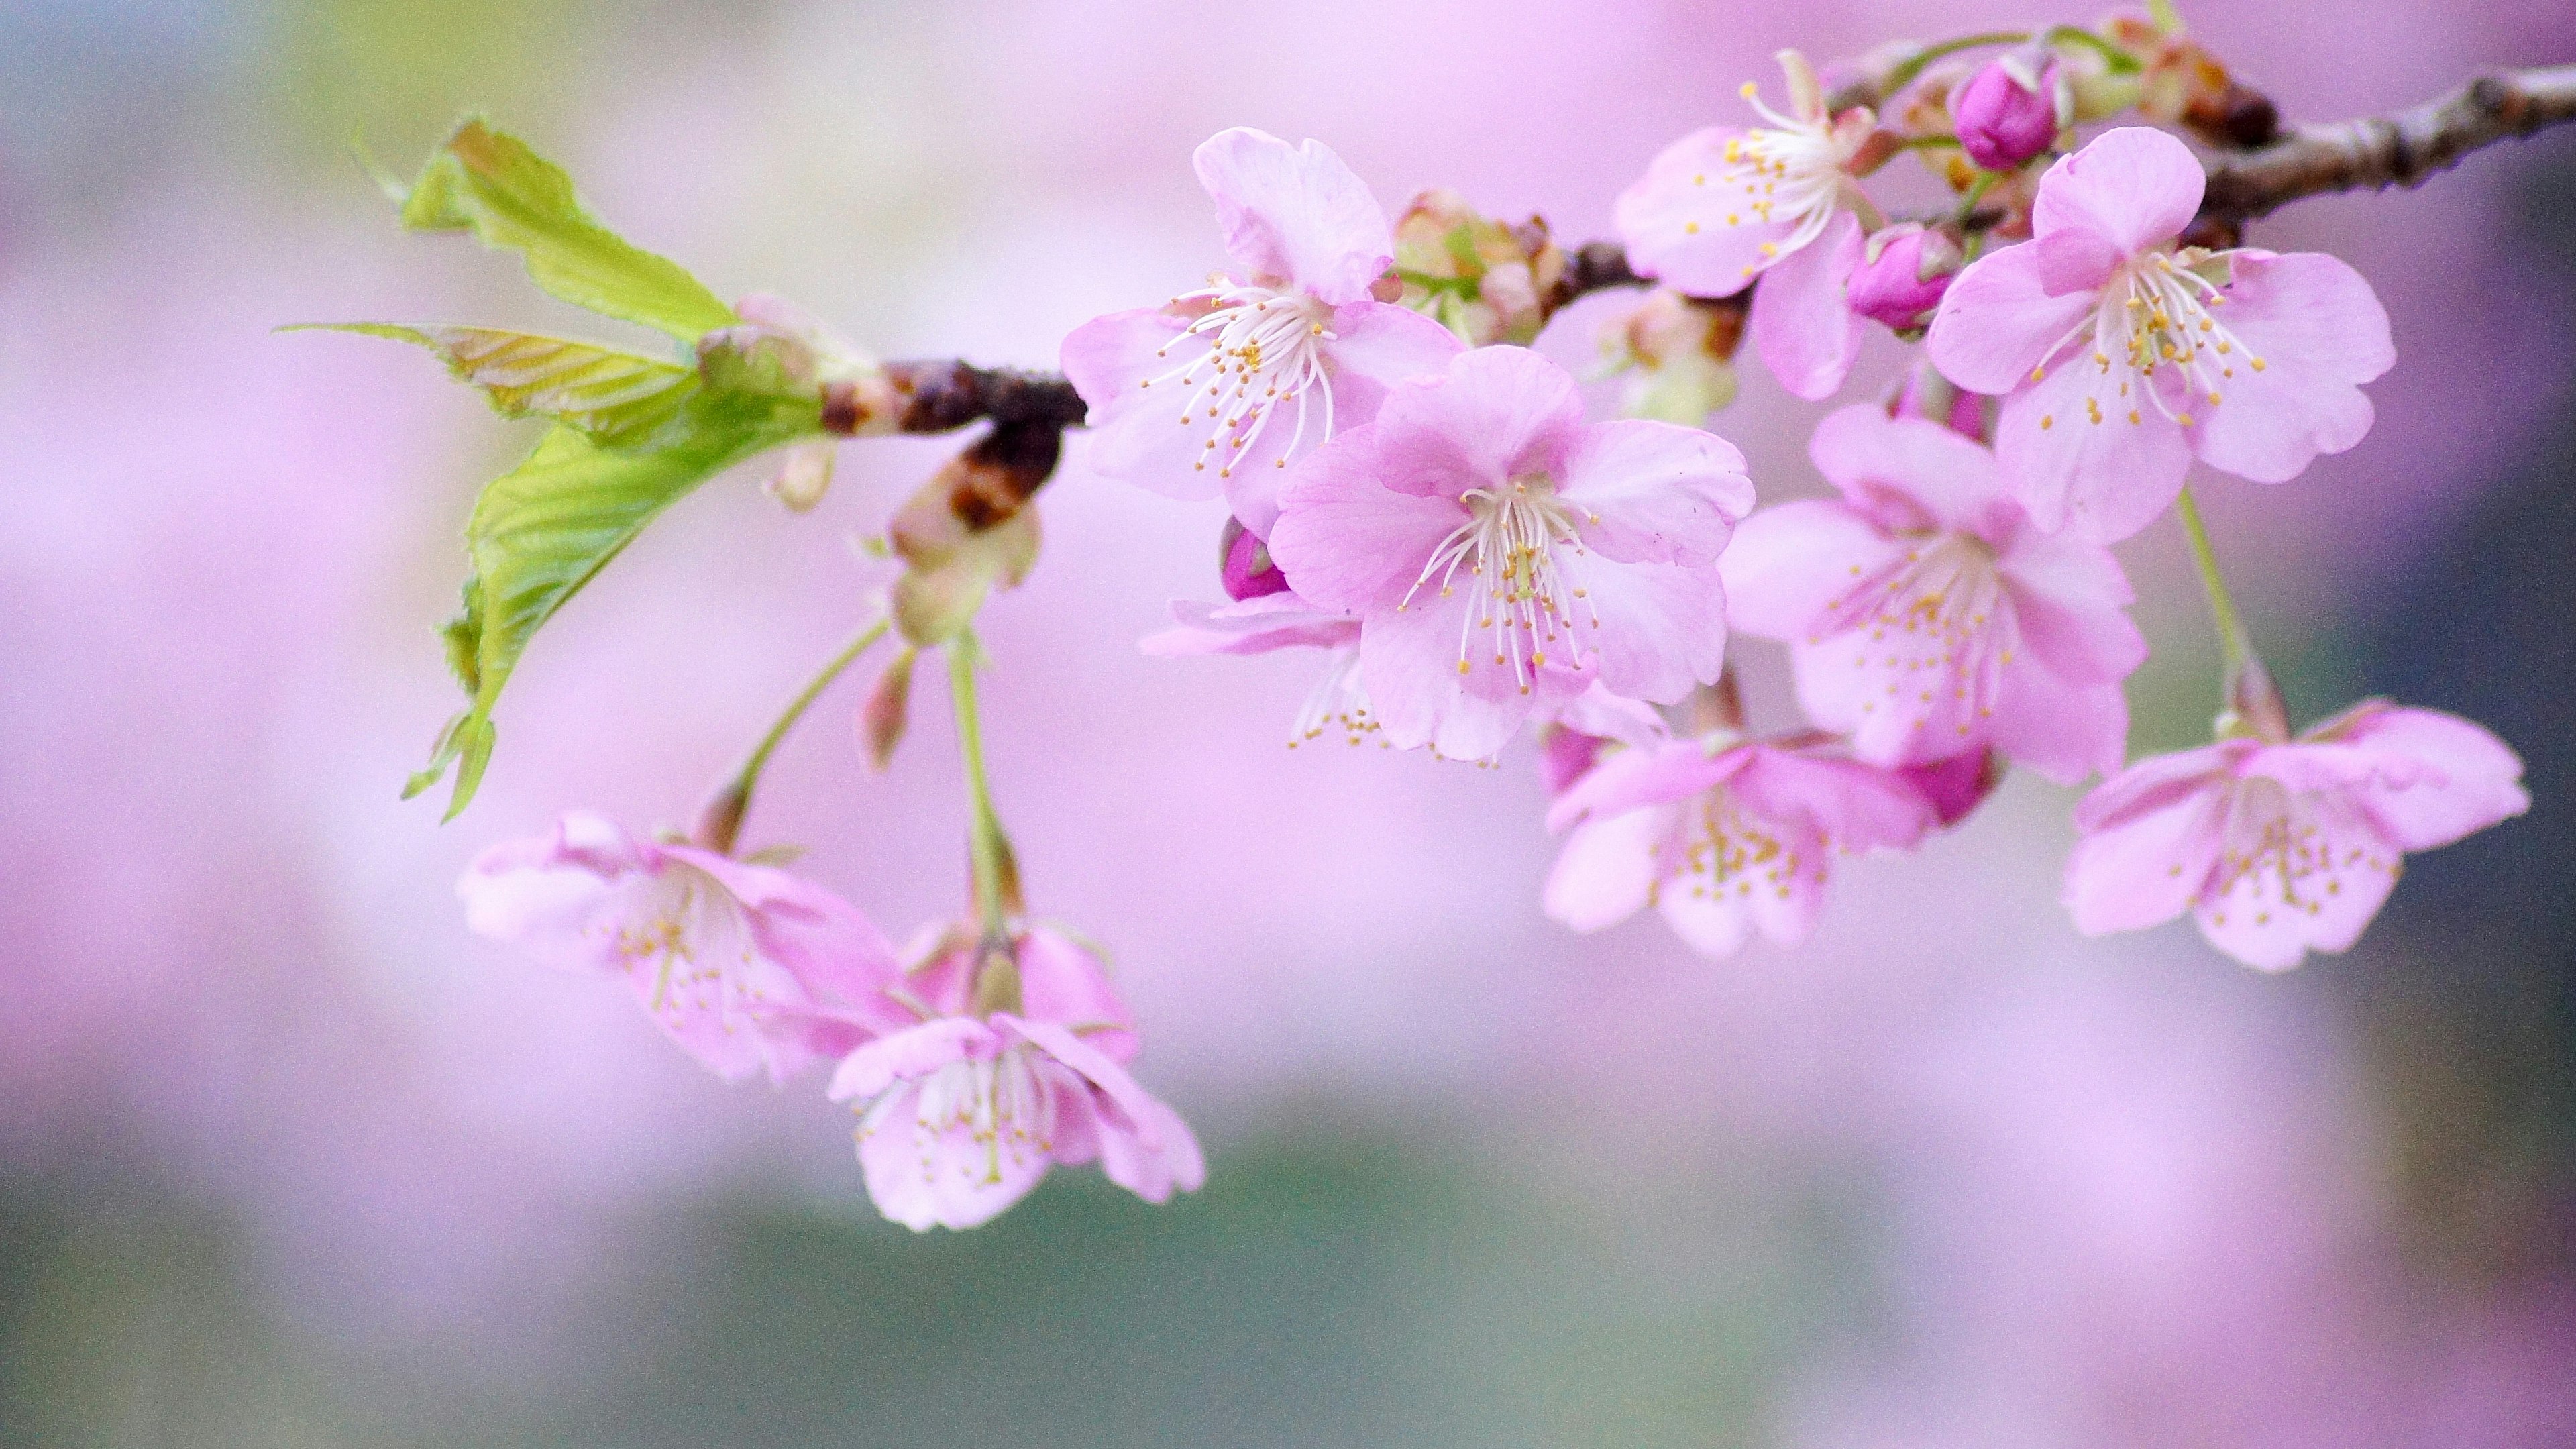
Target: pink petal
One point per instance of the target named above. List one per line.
(1603, 715)
(2148, 868)
(1496, 414)
(2132, 188)
(1295, 213)
(1252, 626)
(1789, 564)
(908, 1056)
(1639, 777)
(1902, 700)
(1852, 805)
(1997, 322)
(1409, 666)
(2320, 333)
(1676, 225)
(1376, 346)
(1137, 433)
(1655, 493)
(1607, 869)
(1714, 924)
(1063, 982)
(2063, 731)
(1802, 321)
(2158, 781)
(2103, 480)
(2270, 918)
(1345, 540)
(1660, 628)
(2070, 604)
(2466, 779)
(1949, 481)
(1152, 1172)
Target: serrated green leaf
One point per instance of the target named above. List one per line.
(547, 527)
(489, 182)
(622, 400)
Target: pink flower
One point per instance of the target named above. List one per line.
(2279, 848)
(2005, 115)
(1217, 390)
(1927, 617)
(1725, 836)
(745, 966)
(962, 1113)
(1281, 620)
(1722, 206)
(1499, 552)
(2123, 359)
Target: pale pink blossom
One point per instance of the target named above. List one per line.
(2121, 359)
(1500, 552)
(1725, 836)
(2279, 848)
(1723, 206)
(963, 1112)
(1218, 390)
(1927, 616)
(745, 966)
(1281, 620)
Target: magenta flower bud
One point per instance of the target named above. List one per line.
(2002, 117)
(1903, 277)
(1243, 561)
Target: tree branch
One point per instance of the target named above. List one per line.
(2403, 149)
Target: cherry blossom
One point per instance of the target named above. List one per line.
(2282, 847)
(1723, 206)
(1499, 552)
(1218, 390)
(1282, 620)
(2121, 358)
(1927, 616)
(745, 966)
(1725, 836)
(962, 1113)
(2009, 111)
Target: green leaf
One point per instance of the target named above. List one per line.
(547, 527)
(620, 399)
(489, 182)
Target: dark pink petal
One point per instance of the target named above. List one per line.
(1852, 805)
(2133, 188)
(1651, 492)
(1660, 628)
(1345, 540)
(908, 1056)
(1802, 320)
(1997, 322)
(1295, 214)
(1103, 1071)
(2465, 779)
(2063, 731)
(2320, 333)
(1607, 869)
(1790, 564)
(1496, 414)
(1678, 226)
(1955, 787)
(1138, 433)
(1636, 778)
(2105, 479)
(2070, 605)
(1949, 480)
(2150, 866)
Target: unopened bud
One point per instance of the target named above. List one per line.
(1901, 279)
(1681, 348)
(887, 711)
(720, 819)
(1244, 563)
(970, 528)
(779, 351)
(1481, 279)
(1956, 786)
(804, 475)
(2008, 112)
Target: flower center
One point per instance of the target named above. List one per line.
(1718, 848)
(1264, 348)
(999, 1102)
(1337, 703)
(2290, 851)
(1519, 593)
(1791, 169)
(2156, 314)
(1938, 620)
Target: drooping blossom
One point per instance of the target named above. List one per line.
(1723, 206)
(1218, 390)
(1725, 836)
(2009, 111)
(2122, 359)
(745, 966)
(2282, 847)
(1015, 1063)
(1500, 552)
(1927, 616)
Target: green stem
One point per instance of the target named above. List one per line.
(722, 818)
(2114, 59)
(2250, 704)
(1975, 193)
(988, 850)
(1913, 65)
(2233, 646)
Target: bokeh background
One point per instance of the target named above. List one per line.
(287, 1158)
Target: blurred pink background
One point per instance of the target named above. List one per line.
(287, 1156)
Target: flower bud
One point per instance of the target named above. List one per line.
(1903, 276)
(1926, 394)
(1478, 277)
(888, 709)
(1681, 348)
(1243, 563)
(1955, 787)
(2005, 114)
